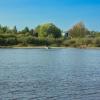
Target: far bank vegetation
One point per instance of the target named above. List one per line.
(49, 35)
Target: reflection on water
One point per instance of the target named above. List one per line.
(53, 74)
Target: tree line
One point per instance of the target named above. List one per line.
(49, 35)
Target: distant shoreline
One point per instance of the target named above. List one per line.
(34, 47)
(44, 47)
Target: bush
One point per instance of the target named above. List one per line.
(10, 41)
(87, 41)
(71, 42)
(7, 39)
(97, 42)
(24, 40)
(2, 41)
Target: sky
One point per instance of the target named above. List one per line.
(63, 13)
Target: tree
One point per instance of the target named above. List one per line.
(48, 30)
(25, 30)
(14, 30)
(33, 33)
(79, 30)
(5, 29)
(37, 30)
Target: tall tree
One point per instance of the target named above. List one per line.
(14, 29)
(48, 30)
(79, 30)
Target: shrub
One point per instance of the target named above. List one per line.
(97, 42)
(10, 41)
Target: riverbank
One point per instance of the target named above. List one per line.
(44, 47)
(34, 47)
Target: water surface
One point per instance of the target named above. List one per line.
(53, 74)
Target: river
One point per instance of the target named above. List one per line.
(50, 74)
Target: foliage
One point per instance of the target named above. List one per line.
(48, 30)
(79, 30)
(97, 42)
(7, 39)
(49, 35)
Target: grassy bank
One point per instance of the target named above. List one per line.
(58, 43)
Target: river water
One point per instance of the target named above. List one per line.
(53, 74)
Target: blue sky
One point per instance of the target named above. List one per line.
(63, 13)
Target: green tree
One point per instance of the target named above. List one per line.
(4, 29)
(48, 30)
(25, 30)
(14, 30)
